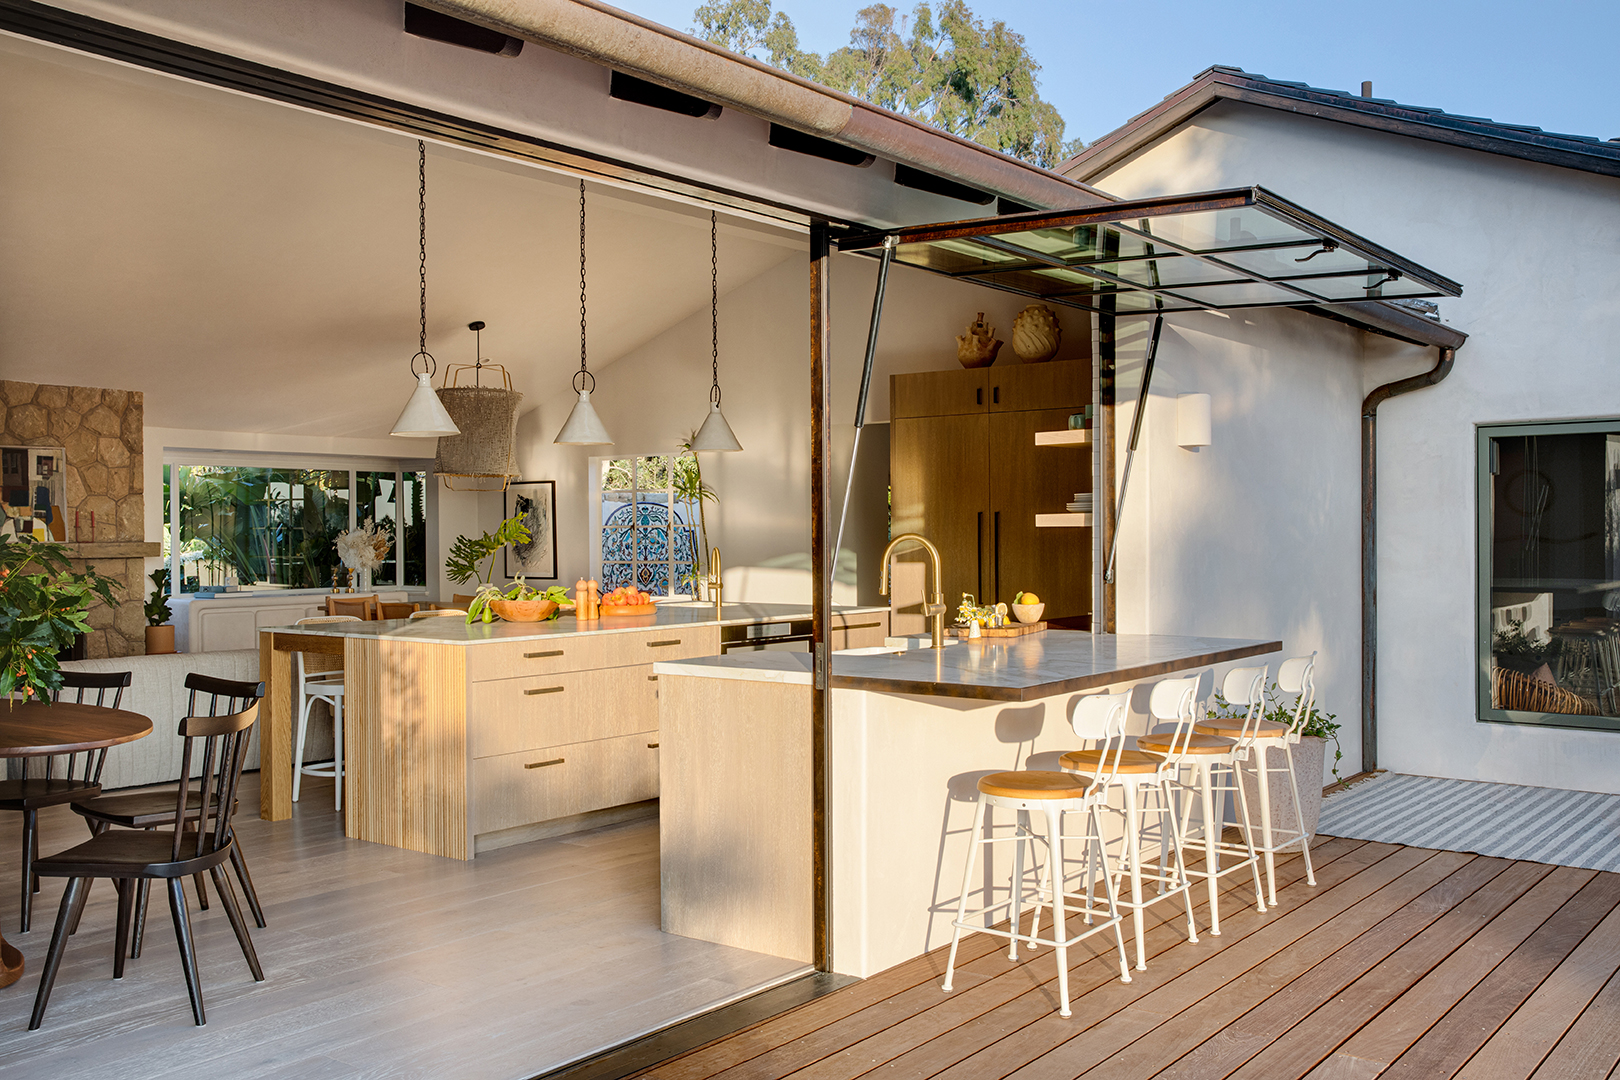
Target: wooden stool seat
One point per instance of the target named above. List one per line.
(1130, 761)
(1034, 784)
(1196, 744)
(1233, 728)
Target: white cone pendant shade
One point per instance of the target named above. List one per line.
(424, 416)
(584, 427)
(715, 434)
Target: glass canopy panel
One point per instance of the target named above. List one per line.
(955, 256)
(1167, 270)
(1300, 260)
(1042, 282)
(1242, 294)
(1130, 303)
(1217, 230)
(1359, 287)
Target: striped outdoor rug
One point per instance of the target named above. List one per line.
(1509, 821)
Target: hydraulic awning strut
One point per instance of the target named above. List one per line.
(1130, 450)
(866, 386)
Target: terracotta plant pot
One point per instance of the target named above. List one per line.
(523, 610)
(159, 639)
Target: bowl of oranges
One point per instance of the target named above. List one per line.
(1027, 607)
(627, 600)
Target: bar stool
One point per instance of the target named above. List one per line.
(1052, 794)
(1246, 687)
(316, 686)
(1176, 700)
(1139, 776)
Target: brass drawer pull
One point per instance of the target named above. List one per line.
(652, 746)
(859, 626)
(543, 764)
(542, 655)
(661, 644)
(652, 678)
(544, 690)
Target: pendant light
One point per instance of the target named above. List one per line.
(484, 456)
(583, 427)
(715, 434)
(424, 416)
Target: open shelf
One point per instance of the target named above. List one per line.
(1063, 521)
(1068, 437)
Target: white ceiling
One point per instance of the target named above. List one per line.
(252, 267)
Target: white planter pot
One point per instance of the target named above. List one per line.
(1309, 753)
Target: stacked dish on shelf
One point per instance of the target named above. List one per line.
(1081, 503)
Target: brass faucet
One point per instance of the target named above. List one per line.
(714, 579)
(935, 611)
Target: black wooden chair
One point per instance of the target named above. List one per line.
(137, 857)
(152, 810)
(79, 780)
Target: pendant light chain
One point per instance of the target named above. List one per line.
(421, 247)
(584, 375)
(714, 306)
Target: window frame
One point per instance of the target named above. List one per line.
(599, 466)
(1483, 525)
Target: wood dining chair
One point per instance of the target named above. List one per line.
(80, 777)
(361, 607)
(152, 810)
(196, 843)
(401, 610)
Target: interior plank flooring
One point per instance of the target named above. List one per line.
(379, 962)
(1400, 961)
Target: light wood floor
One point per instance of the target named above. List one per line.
(1402, 961)
(379, 962)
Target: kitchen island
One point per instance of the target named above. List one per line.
(912, 730)
(460, 738)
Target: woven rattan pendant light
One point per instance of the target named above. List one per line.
(484, 456)
(424, 416)
(715, 434)
(583, 427)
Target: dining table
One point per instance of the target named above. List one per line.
(41, 729)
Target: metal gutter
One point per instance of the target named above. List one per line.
(624, 42)
(1369, 542)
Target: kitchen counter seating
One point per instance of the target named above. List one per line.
(461, 738)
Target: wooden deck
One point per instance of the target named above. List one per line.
(1404, 961)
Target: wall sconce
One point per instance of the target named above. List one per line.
(1192, 421)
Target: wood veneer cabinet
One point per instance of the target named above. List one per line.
(965, 472)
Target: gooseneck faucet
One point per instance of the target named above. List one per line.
(934, 611)
(714, 579)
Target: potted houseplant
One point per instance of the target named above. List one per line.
(159, 631)
(1310, 752)
(693, 492)
(466, 554)
(44, 605)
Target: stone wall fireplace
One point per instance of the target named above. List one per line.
(102, 432)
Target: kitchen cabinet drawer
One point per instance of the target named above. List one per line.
(542, 656)
(505, 716)
(650, 646)
(538, 785)
(860, 631)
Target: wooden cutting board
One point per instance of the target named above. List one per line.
(1015, 630)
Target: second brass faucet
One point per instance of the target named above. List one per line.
(714, 579)
(934, 611)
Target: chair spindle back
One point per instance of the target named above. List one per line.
(232, 707)
(80, 683)
(1100, 718)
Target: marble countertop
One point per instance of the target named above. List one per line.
(1006, 669)
(449, 630)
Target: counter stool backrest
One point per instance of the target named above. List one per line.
(1245, 688)
(1297, 678)
(1175, 701)
(80, 683)
(1100, 718)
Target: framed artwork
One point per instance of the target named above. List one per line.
(535, 501)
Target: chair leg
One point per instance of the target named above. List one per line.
(126, 912)
(304, 704)
(967, 882)
(1212, 853)
(30, 839)
(239, 861)
(1060, 933)
(227, 899)
(138, 932)
(1262, 752)
(1133, 852)
(188, 953)
(1299, 816)
(337, 750)
(1168, 824)
(1113, 895)
(72, 904)
(1021, 833)
(1248, 833)
(34, 855)
(202, 893)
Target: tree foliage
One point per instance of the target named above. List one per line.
(941, 65)
(44, 606)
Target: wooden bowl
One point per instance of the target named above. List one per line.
(1028, 613)
(523, 610)
(629, 609)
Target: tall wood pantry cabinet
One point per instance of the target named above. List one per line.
(965, 472)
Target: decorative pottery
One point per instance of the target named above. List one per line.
(159, 640)
(1036, 334)
(523, 610)
(977, 346)
(1028, 613)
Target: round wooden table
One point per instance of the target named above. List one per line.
(37, 730)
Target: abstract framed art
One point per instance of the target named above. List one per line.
(535, 502)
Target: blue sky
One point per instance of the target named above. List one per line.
(1550, 63)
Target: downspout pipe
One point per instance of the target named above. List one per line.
(1369, 543)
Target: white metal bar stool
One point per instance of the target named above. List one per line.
(1175, 700)
(1245, 687)
(1051, 794)
(1141, 777)
(316, 686)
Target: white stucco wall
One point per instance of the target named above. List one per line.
(1535, 248)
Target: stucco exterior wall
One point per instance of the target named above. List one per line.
(1535, 248)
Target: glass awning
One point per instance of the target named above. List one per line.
(1240, 248)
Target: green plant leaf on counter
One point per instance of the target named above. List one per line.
(461, 566)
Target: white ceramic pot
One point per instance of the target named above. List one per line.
(1028, 613)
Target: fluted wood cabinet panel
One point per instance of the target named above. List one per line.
(405, 729)
(559, 781)
(510, 715)
(735, 830)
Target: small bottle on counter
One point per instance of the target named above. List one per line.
(581, 592)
